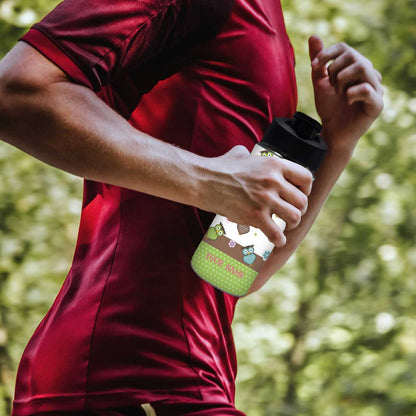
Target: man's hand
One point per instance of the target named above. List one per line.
(248, 190)
(348, 98)
(348, 92)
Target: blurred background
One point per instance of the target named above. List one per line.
(334, 332)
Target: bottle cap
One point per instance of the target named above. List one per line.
(297, 139)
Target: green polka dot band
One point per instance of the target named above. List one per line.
(222, 271)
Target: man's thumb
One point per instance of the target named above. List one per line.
(315, 46)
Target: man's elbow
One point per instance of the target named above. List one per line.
(6, 99)
(11, 88)
(20, 85)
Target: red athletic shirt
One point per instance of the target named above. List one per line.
(132, 322)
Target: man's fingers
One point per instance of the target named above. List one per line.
(315, 46)
(272, 231)
(347, 69)
(319, 63)
(356, 73)
(287, 212)
(338, 65)
(294, 196)
(366, 94)
(332, 52)
(298, 175)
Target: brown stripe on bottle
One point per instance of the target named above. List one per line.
(236, 252)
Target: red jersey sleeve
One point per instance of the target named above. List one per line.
(92, 40)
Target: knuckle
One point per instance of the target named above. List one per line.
(242, 148)
(237, 151)
(333, 74)
(284, 164)
(360, 68)
(266, 199)
(267, 181)
(294, 218)
(277, 237)
(274, 235)
(344, 46)
(366, 89)
(274, 163)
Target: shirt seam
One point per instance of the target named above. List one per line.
(197, 106)
(63, 49)
(101, 59)
(201, 85)
(197, 218)
(68, 396)
(137, 29)
(87, 380)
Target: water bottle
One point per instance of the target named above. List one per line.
(231, 255)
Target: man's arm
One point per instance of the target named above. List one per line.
(68, 126)
(348, 98)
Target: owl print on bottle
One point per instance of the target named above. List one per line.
(216, 231)
(248, 255)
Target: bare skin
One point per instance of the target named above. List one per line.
(67, 126)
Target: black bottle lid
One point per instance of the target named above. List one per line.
(297, 139)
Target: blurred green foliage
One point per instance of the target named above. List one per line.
(334, 332)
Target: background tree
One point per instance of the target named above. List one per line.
(334, 332)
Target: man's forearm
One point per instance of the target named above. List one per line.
(67, 126)
(328, 173)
